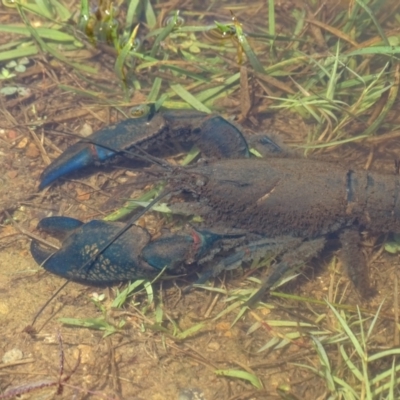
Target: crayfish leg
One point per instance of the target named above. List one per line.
(353, 261)
(258, 249)
(291, 260)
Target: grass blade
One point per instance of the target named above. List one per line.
(163, 35)
(349, 332)
(232, 373)
(18, 53)
(189, 98)
(150, 15)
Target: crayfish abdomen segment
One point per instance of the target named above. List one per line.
(298, 197)
(382, 211)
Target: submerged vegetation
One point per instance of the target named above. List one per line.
(333, 65)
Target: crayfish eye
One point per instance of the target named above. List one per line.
(177, 20)
(139, 111)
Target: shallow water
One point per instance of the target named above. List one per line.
(141, 362)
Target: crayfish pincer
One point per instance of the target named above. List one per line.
(153, 132)
(249, 206)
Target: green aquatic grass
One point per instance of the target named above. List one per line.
(354, 375)
(46, 37)
(322, 94)
(238, 374)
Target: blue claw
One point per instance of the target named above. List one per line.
(114, 138)
(76, 157)
(119, 262)
(215, 136)
(60, 227)
(131, 256)
(168, 252)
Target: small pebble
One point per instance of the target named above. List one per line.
(213, 346)
(4, 309)
(191, 394)
(33, 223)
(86, 130)
(23, 143)
(12, 174)
(32, 151)
(12, 355)
(82, 194)
(12, 135)
(85, 353)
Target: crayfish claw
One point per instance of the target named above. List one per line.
(81, 258)
(60, 227)
(76, 157)
(168, 252)
(39, 253)
(97, 148)
(173, 250)
(215, 136)
(222, 139)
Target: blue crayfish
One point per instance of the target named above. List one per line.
(249, 206)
